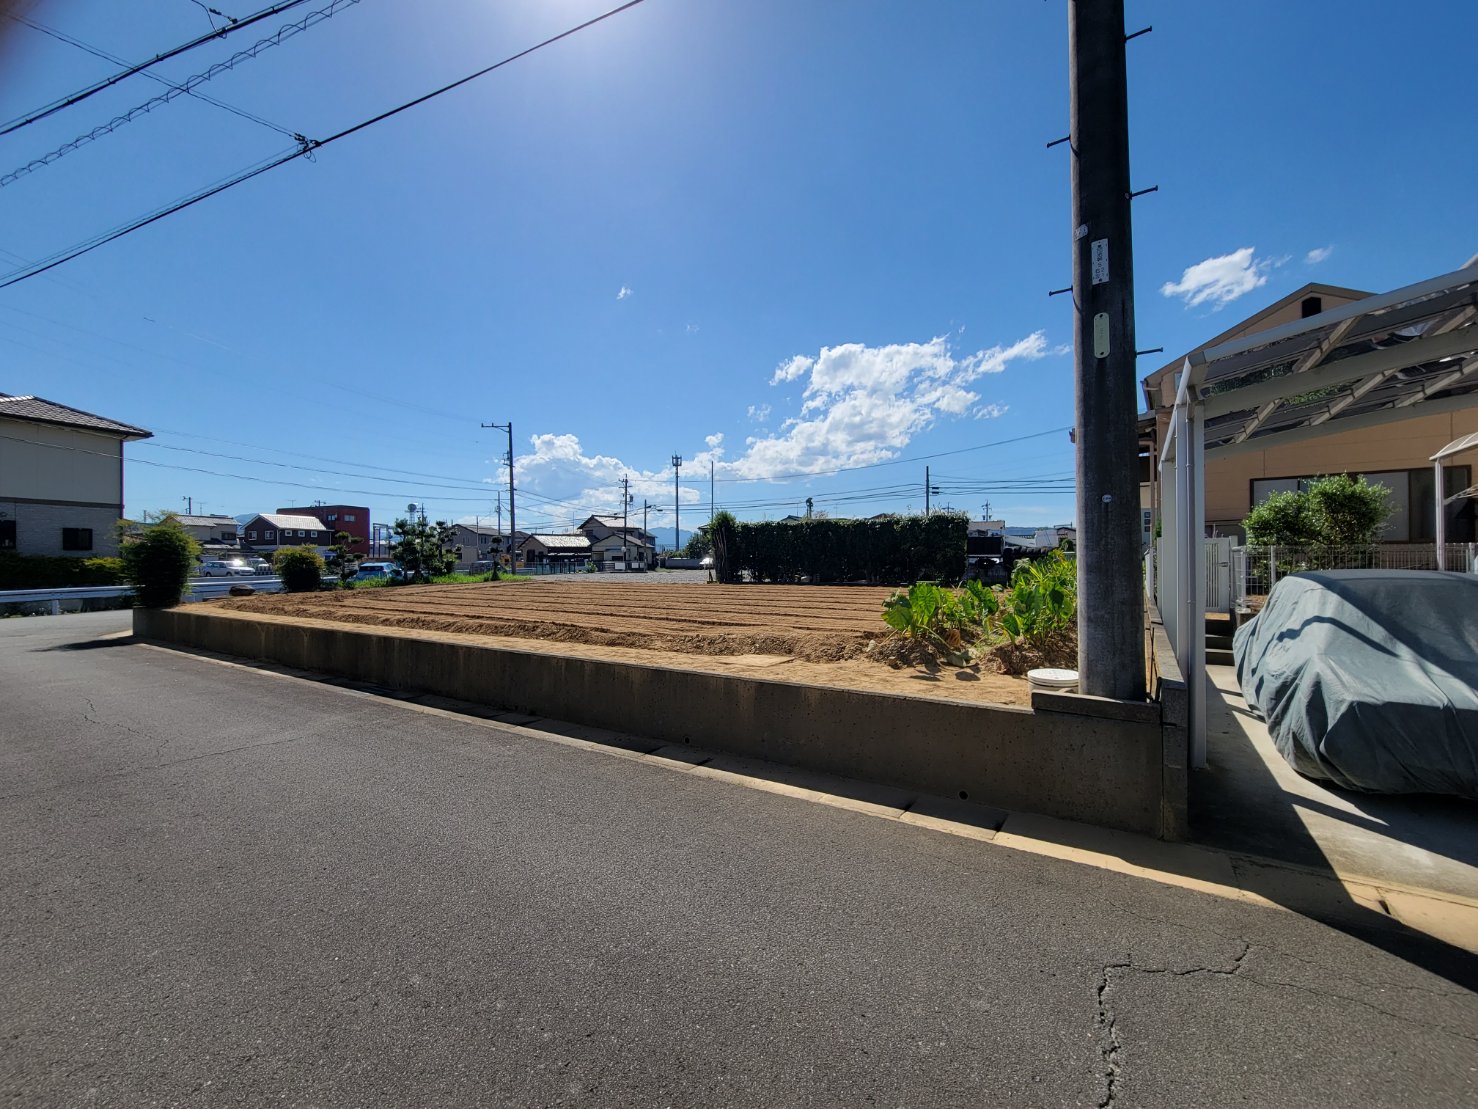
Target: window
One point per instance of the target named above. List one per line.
(348, 517)
(251, 537)
(300, 533)
(311, 534)
(271, 536)
(1411, 502)
(76, 539)
(331, 517)
(1311, 306)
(7, 535)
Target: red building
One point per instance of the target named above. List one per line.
(355, 519)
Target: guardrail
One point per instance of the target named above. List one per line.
(200, 589)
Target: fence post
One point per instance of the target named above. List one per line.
(1272, 568)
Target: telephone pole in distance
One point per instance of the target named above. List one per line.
(512, 510)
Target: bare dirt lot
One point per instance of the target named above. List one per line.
(822, 635)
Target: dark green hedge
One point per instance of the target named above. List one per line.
(58, 572)
(892, 549)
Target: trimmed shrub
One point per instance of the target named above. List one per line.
(892, 549)
(57, 572)
(300, 568)
(158, 561)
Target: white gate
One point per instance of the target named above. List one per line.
(1219, 575)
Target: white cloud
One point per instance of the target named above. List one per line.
(792, 369)
(860, 404)
(1318, 254)
(865, 404)
(1220, 280)
(691, 329)
(624, 293)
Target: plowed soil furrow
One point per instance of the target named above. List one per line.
(810, 623)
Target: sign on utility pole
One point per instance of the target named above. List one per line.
(1110, 585)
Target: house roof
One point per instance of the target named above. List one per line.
(480, 529)
(207, 521)
(1404, 353)
(305, 523)
(1259, 320)
(38, 410)
(562, 542)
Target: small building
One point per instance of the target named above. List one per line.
(354, 519)
(266, 532)
(541, 549)
(61, 478)
(477, 543)
(216, 531)
(613, 540)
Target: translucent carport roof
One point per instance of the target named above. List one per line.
(1360, 364)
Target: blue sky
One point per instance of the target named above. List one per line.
(790, 238)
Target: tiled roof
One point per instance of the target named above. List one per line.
(562, 542)
(41, 411)
(304, 523)
(207, 521)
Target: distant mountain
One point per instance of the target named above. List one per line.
(664, 537)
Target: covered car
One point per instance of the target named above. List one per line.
(1368, 679)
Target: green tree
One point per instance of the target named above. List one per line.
(1283, 520)
(341, 559)
(1349, 512)
(157, 561)
(1336, 511)
(300, 568)
(698, 545)
(424, 550)
(722, 534)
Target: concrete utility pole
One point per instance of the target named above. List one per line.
(927, 483)
(1110, 586)
(512, 509)
(677, 504)
(189, 505)
(710, 492)
(625, 533)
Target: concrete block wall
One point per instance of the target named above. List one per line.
(1079, 758)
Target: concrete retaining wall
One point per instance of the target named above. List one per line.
(1080, 758)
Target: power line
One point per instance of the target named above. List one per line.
(96, 52)
(307, 147)
(108, 82)
(283, 33)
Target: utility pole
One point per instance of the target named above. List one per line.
(810, 507)
(677, 504)
(512, 509)
(710, 492)
(189, 505)
(1110, 588)
(927, 483)
(625, 532)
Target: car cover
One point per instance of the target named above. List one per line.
(1369, 678)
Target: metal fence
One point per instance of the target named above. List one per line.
(76, 598)
(1255, 570)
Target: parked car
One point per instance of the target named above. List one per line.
(378, 571)
(259, 565)
(217, 569)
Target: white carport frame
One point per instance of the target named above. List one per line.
(1457, 446)
(1359, 365)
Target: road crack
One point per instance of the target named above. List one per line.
(1110, 1046)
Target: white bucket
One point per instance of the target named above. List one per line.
(1051, 680)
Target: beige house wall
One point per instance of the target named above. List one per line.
(60, 464)
(1404, 445)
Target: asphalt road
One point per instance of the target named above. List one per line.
(222, 886)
